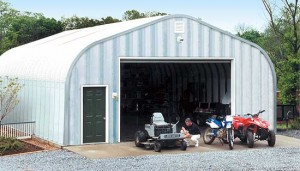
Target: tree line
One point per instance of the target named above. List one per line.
(18, 28)
(280, 39)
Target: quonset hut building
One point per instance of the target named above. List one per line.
(97, 84)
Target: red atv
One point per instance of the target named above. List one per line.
(253, 129)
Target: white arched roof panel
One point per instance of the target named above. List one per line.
(51, 58)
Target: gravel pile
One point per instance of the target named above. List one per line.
(252, 159)
(290, 133)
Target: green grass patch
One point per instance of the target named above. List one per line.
(282, 126)
(293, 124)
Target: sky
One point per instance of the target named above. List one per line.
(225, 14)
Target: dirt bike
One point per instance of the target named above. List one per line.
(252, 129)
(219, 128)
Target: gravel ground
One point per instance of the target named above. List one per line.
(290, 133)
(252, 159)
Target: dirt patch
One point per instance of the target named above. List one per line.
(31, 145)
(41, 144)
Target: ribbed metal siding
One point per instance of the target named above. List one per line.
(43, 102)
(253, 80)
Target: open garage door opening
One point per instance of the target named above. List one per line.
(178, 90)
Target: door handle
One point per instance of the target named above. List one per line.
(104, 118)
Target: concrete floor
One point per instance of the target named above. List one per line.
(126, 149)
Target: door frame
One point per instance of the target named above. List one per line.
(200, 59)
(106, 112)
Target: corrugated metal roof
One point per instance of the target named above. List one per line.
(50, 58)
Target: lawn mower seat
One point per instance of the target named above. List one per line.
(158, 119)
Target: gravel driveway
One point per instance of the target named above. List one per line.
(252, 159)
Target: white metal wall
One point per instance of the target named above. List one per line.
(252, 84)
(42, 102)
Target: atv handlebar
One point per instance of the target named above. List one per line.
(255, 115)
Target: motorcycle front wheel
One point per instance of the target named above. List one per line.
(208, 136)
(230, 137)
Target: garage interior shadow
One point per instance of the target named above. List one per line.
(176, 89)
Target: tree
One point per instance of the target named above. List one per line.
(282, 42)
(9, 88)
(18, 28)
(75, 22)
(29, 27)
(109, 20)
(134, 14)
(155, 13)
(250, 34)
(6, 15)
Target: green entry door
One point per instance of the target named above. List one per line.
(94, 114)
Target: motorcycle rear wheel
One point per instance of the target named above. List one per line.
(271, 138)
(208, 136)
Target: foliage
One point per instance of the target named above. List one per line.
(134, 14)
(292, 124)
(250, 34)
(31, 27)
(282, 126)
(18, 28)
(6, 15)
(10, 144)
(75, 22)
(282, 42)
(109, 20)
(9, 88)
(295, 124)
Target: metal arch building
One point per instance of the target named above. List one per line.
(105, 69)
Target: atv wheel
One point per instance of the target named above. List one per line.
(140, 136)
(230, 138)
(271, 138)
(208, 136)
(250, 139)
(157, 146)
(183, 145)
